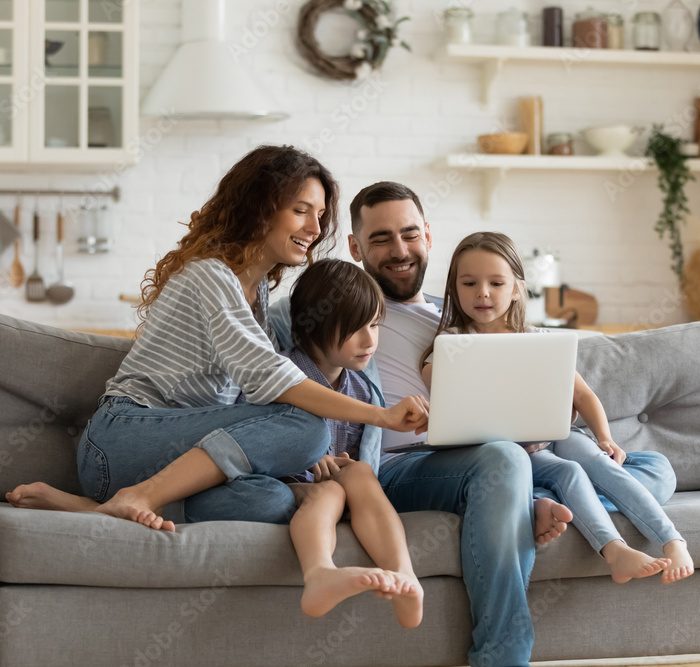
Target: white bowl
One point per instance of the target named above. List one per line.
(611, 140)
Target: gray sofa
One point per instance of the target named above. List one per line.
(85, 589)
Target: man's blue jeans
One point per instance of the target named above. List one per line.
(125, 443)
(490, 486)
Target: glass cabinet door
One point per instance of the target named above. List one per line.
(13, 83)
(89, 79)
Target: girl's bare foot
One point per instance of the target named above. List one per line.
(627, 563)
(407, 600)
(681, 565)
(134, 506)
(551, 520)
(326, 587)
(41, 496)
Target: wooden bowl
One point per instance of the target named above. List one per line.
(504, 143)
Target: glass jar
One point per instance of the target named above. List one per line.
(616, 31)
(647, 31)
(458, 25)
(561, 143)
(590, 30)
(513, 28)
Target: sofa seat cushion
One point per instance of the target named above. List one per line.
(570, 556)
(89, 549)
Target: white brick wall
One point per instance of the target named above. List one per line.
(425, 108)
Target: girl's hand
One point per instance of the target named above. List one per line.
(329, 465)
(411, 414)
(611, 448)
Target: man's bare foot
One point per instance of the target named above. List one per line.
(132, 505)
(325, 587)
(407, 600)
(551, 519)
(681, 565)
(41, 496)
(627, 563)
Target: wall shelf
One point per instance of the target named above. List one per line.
(493, 58)
(495, 168)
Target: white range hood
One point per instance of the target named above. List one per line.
(204, 78)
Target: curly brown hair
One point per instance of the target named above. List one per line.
(233, 224)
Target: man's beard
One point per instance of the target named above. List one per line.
(404, 292)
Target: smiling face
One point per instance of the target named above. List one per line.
(392, 243)
(296, 226)
(486, 289)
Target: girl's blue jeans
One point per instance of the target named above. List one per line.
(125, 443)
(576, 469)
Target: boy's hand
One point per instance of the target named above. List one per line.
(329, 465)
(411, 414)
(611, 448)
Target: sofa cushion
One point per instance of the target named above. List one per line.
(649, 383)
(42, 547)
(90, 549)
(50, 381)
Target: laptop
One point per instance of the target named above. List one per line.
(488, 387)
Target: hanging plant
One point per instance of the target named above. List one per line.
(673, 177)
(377, 33)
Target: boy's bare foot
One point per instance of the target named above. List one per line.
(627, 563)
(407, 600)
(41, 496)
(681, 565)
(551, 519)
(131, 505)
(325, 587)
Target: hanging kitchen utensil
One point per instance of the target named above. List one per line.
(17, 273)
(36, 291)
(61, 291)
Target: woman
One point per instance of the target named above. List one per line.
(169, 417)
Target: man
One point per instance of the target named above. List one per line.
(490, 486)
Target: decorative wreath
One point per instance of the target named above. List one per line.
(378, 32)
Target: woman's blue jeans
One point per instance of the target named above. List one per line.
(125, 443)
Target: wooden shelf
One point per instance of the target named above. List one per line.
(495, 168)
(493, 58)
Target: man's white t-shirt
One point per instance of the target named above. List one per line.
(407, 330)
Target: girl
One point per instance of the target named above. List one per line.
(485, 293)
(170, 409)
(333, 350)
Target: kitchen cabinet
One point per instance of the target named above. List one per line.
(68, 83)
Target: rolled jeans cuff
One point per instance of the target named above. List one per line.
(226, 454)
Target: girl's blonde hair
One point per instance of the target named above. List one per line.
(452, 314)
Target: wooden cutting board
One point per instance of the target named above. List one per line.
(692, 285)
(585, 305)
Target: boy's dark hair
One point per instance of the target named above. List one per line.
(329, 302)
(378, 194)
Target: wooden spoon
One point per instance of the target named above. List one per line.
(16, 269)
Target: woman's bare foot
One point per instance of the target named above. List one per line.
(41, 496)
(325, 587)
(134, 506)
(681, 565)
(627, 563)
(551, 519)
(407, 600)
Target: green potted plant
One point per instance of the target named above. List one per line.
(674, 174)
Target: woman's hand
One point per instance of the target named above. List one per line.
(411, 414)
(329, 465)
(611, 448)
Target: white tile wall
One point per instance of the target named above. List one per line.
(419, 109)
